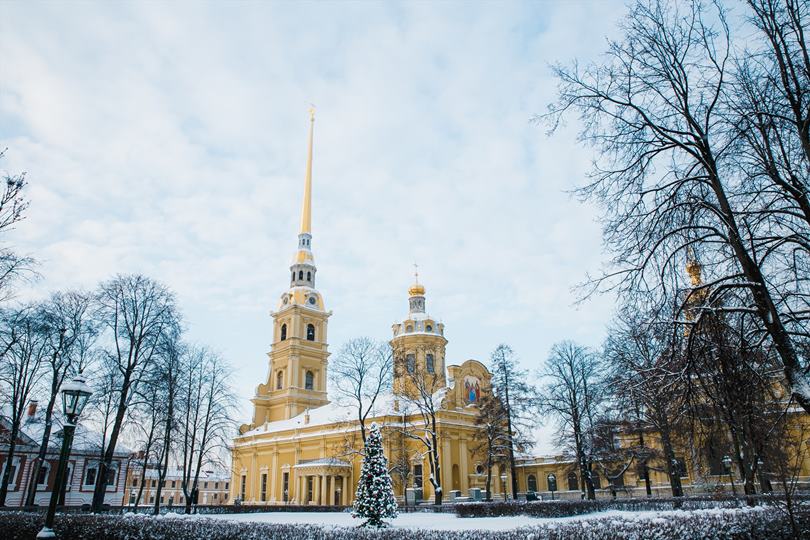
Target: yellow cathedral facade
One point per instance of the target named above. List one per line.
(300, 448)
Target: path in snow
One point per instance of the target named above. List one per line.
(420, 520)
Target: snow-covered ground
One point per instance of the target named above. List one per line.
(432, 521)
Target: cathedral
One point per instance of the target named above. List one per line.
(300, 448)
(303, 448)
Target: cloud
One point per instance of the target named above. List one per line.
(169, 139)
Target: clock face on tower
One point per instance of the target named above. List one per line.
(312, 300)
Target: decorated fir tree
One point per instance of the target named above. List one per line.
(374, 499)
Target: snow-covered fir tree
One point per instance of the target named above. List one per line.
(374, 499)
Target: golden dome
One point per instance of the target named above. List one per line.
(416, 290)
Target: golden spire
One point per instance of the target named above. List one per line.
(306, 210)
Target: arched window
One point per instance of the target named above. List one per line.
(283, 332)
(409, 328)
(428, 328)
(309, 381)
(293, 275)
(279, 380)
(410, 363)
(300, 274)
(573, 483)
(309, 276)
(431, 368)
(310, 332)
(531, 483)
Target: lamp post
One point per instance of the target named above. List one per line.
(727, 465)
(551, 479)
(75, 394)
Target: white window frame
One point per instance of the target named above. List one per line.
(12, 482)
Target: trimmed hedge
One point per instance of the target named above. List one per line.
(565, 508)
(717, 524)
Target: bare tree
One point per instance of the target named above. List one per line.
(24, 349)
(136, 314)
(166, 377)
(491, 438)
(572, 395)
(510, 384)
(12, 210)
(359, 373)
(667, 175)
(648, 381)
(69, 330)
(206, 401)
(422, 397)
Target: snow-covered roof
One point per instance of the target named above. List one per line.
(323, 462)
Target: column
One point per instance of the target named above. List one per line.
(324, 500)
(301, 495)
(465, 459)
(253, 479)
(446, 477)
(273, 476)
(316, 489)
(346, 489)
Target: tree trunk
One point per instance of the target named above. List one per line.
(12, 447)
(100, 489)
(43, 449)
(669, 456)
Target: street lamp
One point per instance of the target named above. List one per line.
(727, 465)
(75, 394)
(551, 479)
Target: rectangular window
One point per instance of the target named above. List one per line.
(132, 499)
(112, 474)
(226, 485)
(42, 477)
(90, 476)
(431, 368)
(173, 486)
(171, 500)
(154, 483)
(162, 499)
(134, 482)
(12, 473)
(264, 487)
(205, 485)
(216, 485)
(410, 363)
(310, 484)
(151, 499)
(68, 476)
(417, 476)
(243, 487)
(285, 486)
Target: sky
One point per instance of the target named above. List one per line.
(169, 139)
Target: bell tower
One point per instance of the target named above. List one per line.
(296, 379)
(419, 347)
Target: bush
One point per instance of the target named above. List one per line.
(564, 508)
(716, 524)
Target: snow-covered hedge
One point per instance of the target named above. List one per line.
(716, 524)
(563, 508)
